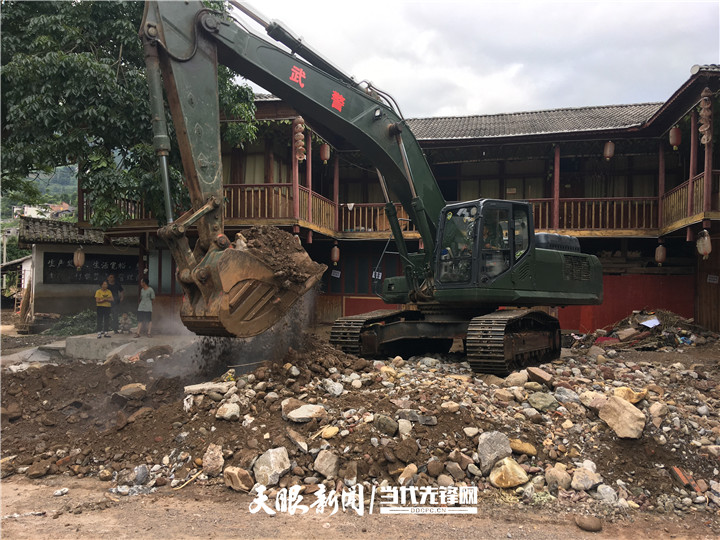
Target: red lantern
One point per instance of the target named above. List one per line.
(609, 150)
(335, 254)
(675, 137)
(660, 255)
(325, 152)
(79, 258)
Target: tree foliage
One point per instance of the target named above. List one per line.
(74, 92)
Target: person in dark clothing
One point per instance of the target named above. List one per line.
(118, 296)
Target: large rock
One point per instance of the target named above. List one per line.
(406, 450)
(522, 447)
(204, 388)
(271, 466)
(626, 420)
(228, 411)
(385, 424)
(298, 440)
(213, 460)
(406, 476)
(306, 413)
(539, 375)
(606, 494)
(238, 479)
(455, 470)
(332, 387)
(133, 391)
(542, 401)
(327, 464)
(557, 478)
(658, 409)
(565, 395)
(492, 447)
(518, 378)
(584, 479)
(506, 473)
(38, 469)
(628, 394)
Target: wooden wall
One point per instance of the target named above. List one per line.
(707, 306)
(625, 293)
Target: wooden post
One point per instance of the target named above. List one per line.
(295, 179)
(693, 162)
(661, 182)
(556, 189)
(308, 173)
(336, 190)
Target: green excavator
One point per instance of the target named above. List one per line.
(481, 271)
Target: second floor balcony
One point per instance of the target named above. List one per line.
(283, 204)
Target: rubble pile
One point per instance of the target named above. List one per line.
(599, 427)
(644, 330)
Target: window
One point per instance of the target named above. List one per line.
(495, 240)
(520, 231)
(456, 248)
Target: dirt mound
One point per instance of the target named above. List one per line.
(121, 420)
(283, 252)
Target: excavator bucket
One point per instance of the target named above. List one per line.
(254, 288)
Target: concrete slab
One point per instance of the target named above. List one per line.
(90, 347)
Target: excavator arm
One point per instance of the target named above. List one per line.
(229, 291)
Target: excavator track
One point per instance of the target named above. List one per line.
(503, 341)
(345, 333)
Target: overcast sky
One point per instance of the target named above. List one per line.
(450, 58)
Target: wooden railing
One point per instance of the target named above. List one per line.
(258, 201)
(613, 214)
(371, 218)
(675, 201)
(135, 210)
(323, 210)
(542, 213)
(275, 201)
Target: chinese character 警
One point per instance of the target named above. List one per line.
(338, 101)
(297, 75)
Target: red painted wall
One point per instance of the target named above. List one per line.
(623, 294)
(354, 305)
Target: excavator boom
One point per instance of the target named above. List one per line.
(229, 289)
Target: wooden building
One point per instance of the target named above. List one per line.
(624, 179)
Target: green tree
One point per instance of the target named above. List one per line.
(74, 92)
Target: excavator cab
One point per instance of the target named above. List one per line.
(479, 241)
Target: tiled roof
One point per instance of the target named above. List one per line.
(705, 67)
(555, 121)
(52, 231)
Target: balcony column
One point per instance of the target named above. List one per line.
(661, 182)
(336, 190)
(556, 189)
(295, 179)
(693, 166)
(308, 175)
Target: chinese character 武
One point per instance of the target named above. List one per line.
(297, 75)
